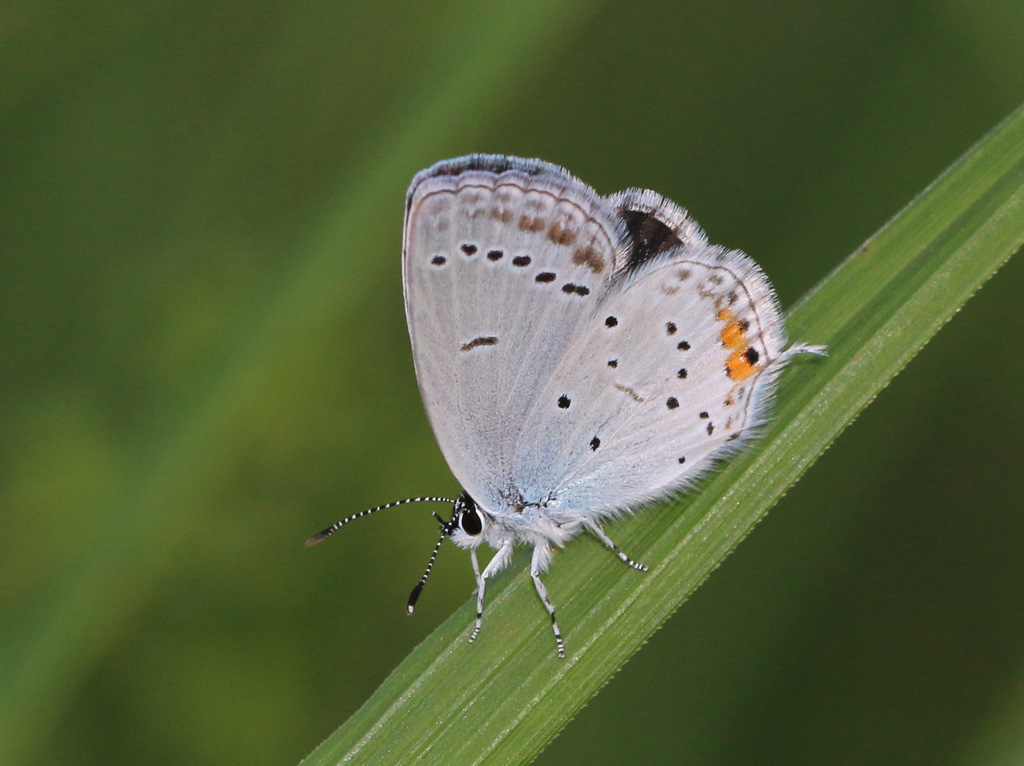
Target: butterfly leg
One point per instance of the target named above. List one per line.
(541, 557)
(600, 535)
(498, 562)
(480, 584)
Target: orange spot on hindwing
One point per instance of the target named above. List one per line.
(743, 361)
(734, 334)
(742, 364)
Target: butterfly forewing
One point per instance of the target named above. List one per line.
(504, 264)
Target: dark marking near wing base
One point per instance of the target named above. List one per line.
(595, 443)
(648, 236)
(483, 340)
(564, 402)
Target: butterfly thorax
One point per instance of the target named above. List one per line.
(540, 523)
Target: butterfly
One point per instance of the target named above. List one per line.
(578, 356)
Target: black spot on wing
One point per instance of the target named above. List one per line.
(569, 289)
(483, 340)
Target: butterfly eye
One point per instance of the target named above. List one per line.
(471, 522)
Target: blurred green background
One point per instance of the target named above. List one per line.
(203, 360)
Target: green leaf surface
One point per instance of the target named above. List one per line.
(503, 698)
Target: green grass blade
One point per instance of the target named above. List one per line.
(502, 699)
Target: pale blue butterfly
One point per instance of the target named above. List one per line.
(579, 356)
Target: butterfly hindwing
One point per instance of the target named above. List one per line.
(672, 372)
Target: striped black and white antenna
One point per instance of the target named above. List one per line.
(447, 527)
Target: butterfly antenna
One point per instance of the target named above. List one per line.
(446, 530)
(335, 527)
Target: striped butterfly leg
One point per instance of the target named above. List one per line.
(498, 562)
(600, 535)
(541, 558)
